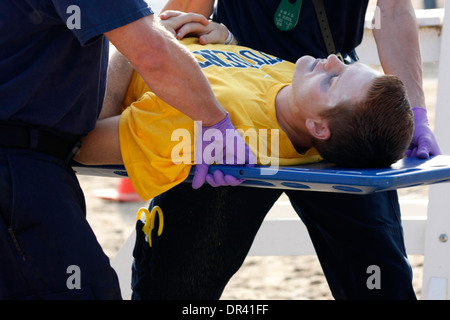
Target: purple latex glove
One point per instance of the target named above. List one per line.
(218, 179)
(424, 143)
(220, 144)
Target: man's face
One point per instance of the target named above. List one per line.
(320, 84)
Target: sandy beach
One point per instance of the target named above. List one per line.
(261, 277)
(282, 277)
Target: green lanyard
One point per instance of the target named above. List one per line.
(287, 14)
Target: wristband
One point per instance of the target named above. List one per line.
(230, 36)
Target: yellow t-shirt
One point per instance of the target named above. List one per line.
(154, 135)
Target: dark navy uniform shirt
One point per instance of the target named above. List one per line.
(53, 59)
(252, 22)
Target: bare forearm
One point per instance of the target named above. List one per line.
(179, 81)
(398, 48)
(168, 68)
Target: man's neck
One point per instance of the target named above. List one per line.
(291, 120)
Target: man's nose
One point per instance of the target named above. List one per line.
(333, 63)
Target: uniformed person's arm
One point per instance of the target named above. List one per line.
(397, 39)
(168, 68)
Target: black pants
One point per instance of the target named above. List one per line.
(208, 233)
(47, 248)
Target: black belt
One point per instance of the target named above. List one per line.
(61, 146)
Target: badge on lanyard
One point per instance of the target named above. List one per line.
(287, 14)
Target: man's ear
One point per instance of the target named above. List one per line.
(318, 128)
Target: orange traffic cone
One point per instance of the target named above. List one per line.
(123, 193)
